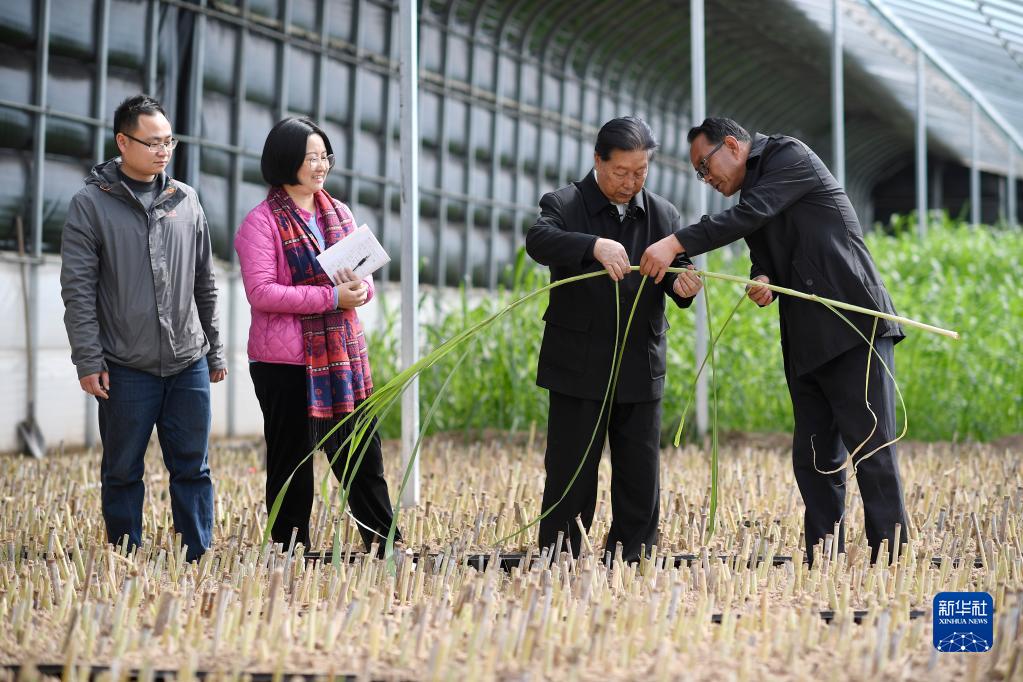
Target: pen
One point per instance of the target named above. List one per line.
(364, 259)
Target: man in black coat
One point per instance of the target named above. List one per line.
(803, 234)
(605, 221)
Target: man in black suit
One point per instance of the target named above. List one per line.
(605, 220)
(803, 234)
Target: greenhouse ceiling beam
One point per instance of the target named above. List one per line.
(950, 71)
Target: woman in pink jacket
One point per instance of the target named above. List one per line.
(307, 351)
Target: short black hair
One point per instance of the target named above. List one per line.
(284, 149)
(716, 129)
(627, 133)
(126, 116)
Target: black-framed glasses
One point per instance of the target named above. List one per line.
(319, 161)
(155, 147)
(701, 168)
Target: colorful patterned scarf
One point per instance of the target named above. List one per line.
(336, 358)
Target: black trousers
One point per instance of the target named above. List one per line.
(831, 420)
(633, 430)
(281, 391)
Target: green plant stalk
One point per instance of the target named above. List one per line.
(713, 426)
(866, 397)
(831, 305)
(393, 388)
(820, 299)
(699, 371)
(898, 392)
(360, 436)
(366, 428)
(612, 385)
(389, 547)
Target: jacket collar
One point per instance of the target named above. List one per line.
(757, 145)
(596, 201)
(105, 176)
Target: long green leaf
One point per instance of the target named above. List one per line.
(383, 398)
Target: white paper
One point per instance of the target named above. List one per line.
(359, 251)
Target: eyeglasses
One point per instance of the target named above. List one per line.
(320, 161)
(701, 168)
(155, 147)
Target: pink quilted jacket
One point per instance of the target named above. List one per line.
(275, 334)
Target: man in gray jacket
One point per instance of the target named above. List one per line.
(141, 314)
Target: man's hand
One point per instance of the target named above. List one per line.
(659, 256)
(351, 294)
(760, 295)
(613, 257)
(96, 384)
(687, 283)
(217, 375)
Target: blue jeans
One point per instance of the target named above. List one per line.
(179, 407)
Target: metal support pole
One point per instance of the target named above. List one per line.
(837, 95)
(98, 154)
(938, 186)
(1003, 193)
(1010, 199)
(921, 143)
(100, 101)
(152, 58)
(699, 97)
(409, 67)
(321, 63)
(195, 96)
(354, 101)
(471, 190)
(386, 189)
(38, 196)
(233, 219)
(443, 152)
(974, 168)
(283, 65)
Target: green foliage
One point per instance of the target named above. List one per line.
(966, 279)
(958, 277)
(495, 389)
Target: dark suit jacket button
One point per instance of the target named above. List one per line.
(809, 282)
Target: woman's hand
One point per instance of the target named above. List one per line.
(346, 275)
(352, 294)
